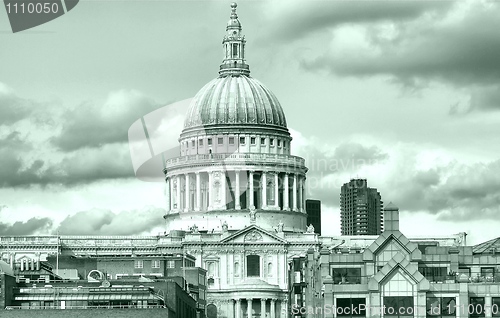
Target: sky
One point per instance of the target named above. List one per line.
(405, 94)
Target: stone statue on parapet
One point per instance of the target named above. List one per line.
(310, 229)
(194, 229)
(280, 227)
(224, 226)
(252, 215)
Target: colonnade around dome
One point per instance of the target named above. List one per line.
(235, 190)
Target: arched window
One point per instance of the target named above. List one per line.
(211, 311)
(211, 269)
(270, 269)
(236, 269)
(253, 265)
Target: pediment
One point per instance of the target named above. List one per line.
(253, 234)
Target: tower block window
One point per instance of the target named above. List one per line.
(253, 266)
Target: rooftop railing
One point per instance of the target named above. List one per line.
(237, 158)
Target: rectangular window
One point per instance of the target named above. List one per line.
(209, 141)
(242, 140)
(220, 141)
(441, 307)
(398, 306)
(262, 141)
(434, 274)
(495, 306)
(138, 264)
(488, 273)
(192, 143)
(170, 264)
(346, 275)
(252, 140)
(253, 265)
(231, 140)
(351, 307)
(476, 307)
(200, 142)
(155, 264)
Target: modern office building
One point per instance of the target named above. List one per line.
(360, 209)
(313, 210)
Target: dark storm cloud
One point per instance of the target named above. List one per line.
(81, 167)
(92, 126)
(32, 226)
(454, 192)
(462, 52)
(487, 98)
(105, 222)
(320, 15)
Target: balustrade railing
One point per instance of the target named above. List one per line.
(237, 157)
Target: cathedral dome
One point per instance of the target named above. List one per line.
(235, 99)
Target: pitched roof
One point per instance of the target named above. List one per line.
(487, 246)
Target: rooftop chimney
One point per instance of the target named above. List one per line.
(391, 217)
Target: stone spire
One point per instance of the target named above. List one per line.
(234, 48)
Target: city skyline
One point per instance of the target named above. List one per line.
(350, 114)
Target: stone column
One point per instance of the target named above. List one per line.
(223, 189)
(284, 307)
(178, 193)
(210, 189)
(198, 192)
(294, 192)
(264, 190)
(186, 194)
(237, 191)
(263, 307)
(304, 194)
(172, 193)
(238, 308)
(273, 308)
(300, 195)
(286, 199)
(249, 307)
(276, 191)
(167, 193)
(252, 206)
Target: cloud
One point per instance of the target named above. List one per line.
(105, 222)
(330, 167)
(416, 178)
(457, 50)
(23, 169)
(322, 15)
(92, 126)
(13, 108)
(29, 227)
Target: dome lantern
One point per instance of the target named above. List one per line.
(234, 48)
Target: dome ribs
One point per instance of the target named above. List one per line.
(234, 100)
